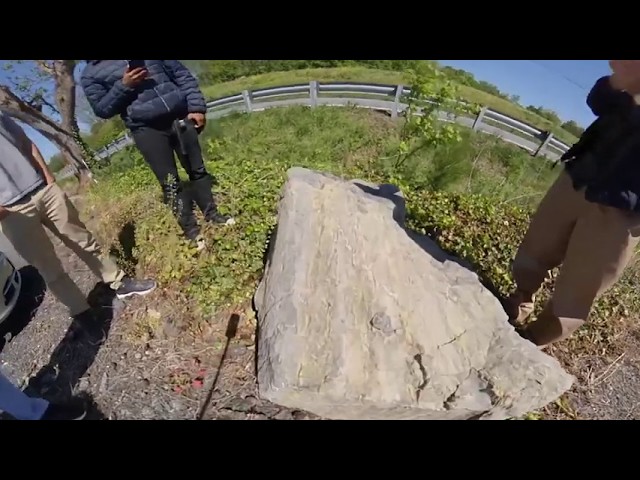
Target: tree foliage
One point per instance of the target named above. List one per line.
(573, 128)
(431, 93)
(546, 113)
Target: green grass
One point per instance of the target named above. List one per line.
(360, 74)
(474, 198)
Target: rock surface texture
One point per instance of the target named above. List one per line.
(360, 319)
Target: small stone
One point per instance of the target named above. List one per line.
(300, 415)
(283, 415)
(138, 356)
(84, 384)
(242, 404)
(230, 415)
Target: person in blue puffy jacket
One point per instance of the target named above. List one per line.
(162, 105)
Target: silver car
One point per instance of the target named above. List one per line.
(11, 282)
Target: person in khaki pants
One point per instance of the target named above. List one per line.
(589, 221)
(30, 201)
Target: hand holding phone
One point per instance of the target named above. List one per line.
(134, 76)
(133, 64)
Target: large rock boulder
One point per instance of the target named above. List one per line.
(360, 319)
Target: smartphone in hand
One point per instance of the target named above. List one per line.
(133, 64)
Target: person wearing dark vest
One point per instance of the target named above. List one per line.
(588, 223)
(161, 104)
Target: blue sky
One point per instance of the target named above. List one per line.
(559, 85)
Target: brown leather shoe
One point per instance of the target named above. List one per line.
(518, 307)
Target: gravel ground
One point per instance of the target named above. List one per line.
(609, 387)
(133, 374)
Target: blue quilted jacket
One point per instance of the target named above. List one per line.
(169, 92)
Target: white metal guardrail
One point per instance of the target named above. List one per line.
(378, 97)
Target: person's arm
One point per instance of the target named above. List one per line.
(107, 103)
(38, 162)
(188, 84)
(30, 150)
(606, 97)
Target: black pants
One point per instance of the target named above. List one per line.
(158, 145)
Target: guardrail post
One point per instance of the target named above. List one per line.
(396, 102)
(544, 144)
(313, 93)
(478, 121)
(246, 95)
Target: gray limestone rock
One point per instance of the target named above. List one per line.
(360, 319)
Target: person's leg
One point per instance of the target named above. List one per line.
(19, 405)
(158, 151)
(61, 217)
(602, 243)
(189, 152)
(544, 245)
(23, 228)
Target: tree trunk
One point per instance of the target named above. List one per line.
(66, 100)
(65, 92)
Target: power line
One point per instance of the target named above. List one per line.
(568, 79)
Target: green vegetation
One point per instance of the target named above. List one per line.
(56, 163)
(474, 197)
(225, 77)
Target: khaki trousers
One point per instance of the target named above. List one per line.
(592, 242)
(24, 227)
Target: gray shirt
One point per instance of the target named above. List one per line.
(18, 177)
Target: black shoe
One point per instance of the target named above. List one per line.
(57, 411)
(203, 197)
(132, 286)
(219, 219)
